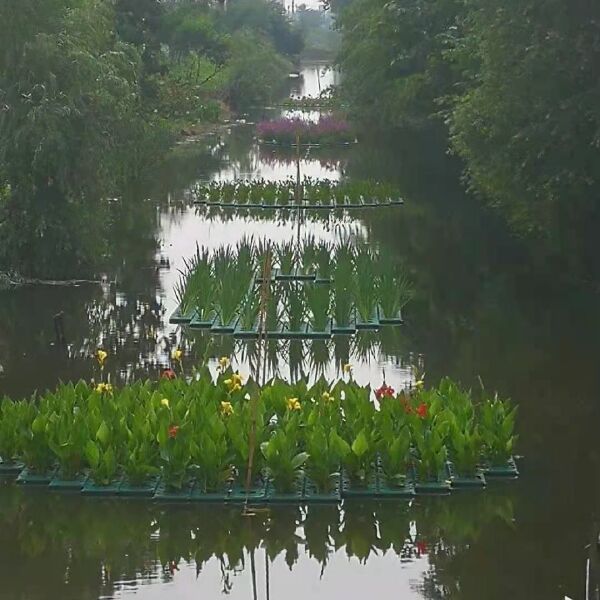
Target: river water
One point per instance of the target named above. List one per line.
(486, 309)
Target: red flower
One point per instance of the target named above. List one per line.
(421, 548)
(385, 391)
(173, 431)
(407, 407)
(422, 410)
(168, 374)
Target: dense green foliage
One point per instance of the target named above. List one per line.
(91, 94)
(200, 429)
(515, 82)
(70, 127)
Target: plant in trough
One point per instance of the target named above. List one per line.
(365, 285)
(196, 286)
(497, 430)
(325, 451)
(238, 427)
(283, 458)
(67, 438)
(141, 455)
(11, 429)
(208, 445)
(429, 437)
(394, 439)
(394, 291)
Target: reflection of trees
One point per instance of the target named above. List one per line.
(80, 548)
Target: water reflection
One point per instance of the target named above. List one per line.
(84, 548)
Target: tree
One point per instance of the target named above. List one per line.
(69, 128)
(528, 125)
(392, 59)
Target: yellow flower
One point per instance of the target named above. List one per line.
(419, 384)
(102, 388)
(223, 363)
(101, 356)
(234, 383)
(294, 404)
(226, 409)
(347, 368)
(327, 397)
(177, 355)
(164, 402)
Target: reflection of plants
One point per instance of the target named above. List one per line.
(317, 532)
(323, 260)
(318, 301)
(286, 257)
(343, 286)
(359, 531)
(296, 306)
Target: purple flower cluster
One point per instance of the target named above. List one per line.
(325, 130)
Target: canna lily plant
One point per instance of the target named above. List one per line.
(283, 458)
(497, 430)
(325, 450)
(34, 437)
(11, 430)
(211, 457)
(395, 440)
(140, 459)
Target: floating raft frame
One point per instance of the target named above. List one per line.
(306, 204)
(264, 491)
(283, 331)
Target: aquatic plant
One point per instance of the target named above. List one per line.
(497, 425)
(314, 192)
(199, 431)
(327, 130)
(395, 438)
(10, 423)
(283, 458)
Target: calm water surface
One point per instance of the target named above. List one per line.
(486, 309)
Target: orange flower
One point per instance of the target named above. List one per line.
(168, 374)
(173, 431)
(422, 410)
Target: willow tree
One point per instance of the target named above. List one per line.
(68, 125)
